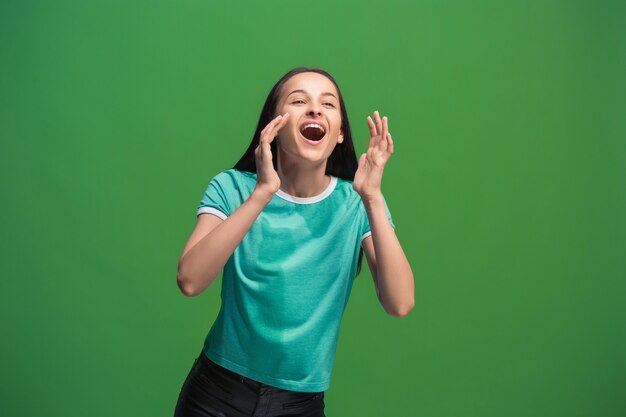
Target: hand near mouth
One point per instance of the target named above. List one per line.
(369, 174)
(268, 181)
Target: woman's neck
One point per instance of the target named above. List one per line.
(300, 180)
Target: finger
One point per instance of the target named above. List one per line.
(267, 157)
(372, 128)
(362, 160)
(371, 125)
(379, 125)
(282, 122)
(390, 148)
(259, 151)
(274, 121)
(277, 126)
(383, 136)
(268, 127)
(274, 126)
(267, 152)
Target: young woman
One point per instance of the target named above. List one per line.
(288, 225)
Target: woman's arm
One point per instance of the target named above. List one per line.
(200, 264)
(390, 268)
(388, 264)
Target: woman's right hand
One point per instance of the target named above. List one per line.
(267, 178)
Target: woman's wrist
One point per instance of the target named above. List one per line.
(373, 198)
(262, 196)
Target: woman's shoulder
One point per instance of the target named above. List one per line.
(235, 175)
(232, 181)
(235, 172)
(345, 186)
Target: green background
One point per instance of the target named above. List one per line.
(507, 187)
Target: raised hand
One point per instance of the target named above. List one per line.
(267, 179)
(369, 174)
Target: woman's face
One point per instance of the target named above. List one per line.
(314, 126)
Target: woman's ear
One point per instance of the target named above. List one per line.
(340, 138)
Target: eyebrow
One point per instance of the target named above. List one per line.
(302, 91)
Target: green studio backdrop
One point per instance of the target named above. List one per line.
(507, 187)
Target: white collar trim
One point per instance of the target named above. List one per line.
(309, 200)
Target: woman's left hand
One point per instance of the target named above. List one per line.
(369, 174)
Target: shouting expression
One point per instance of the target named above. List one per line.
(314, 126)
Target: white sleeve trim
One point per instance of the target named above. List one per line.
(213, 211)
(366, 234)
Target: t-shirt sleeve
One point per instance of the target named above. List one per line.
(366, 229)
(216, 197)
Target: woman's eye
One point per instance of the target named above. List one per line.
(302, 101)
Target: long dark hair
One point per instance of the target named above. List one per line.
(341, 163)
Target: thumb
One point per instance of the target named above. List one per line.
(362, 160)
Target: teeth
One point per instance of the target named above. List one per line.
(314, 125)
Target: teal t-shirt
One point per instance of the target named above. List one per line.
(286, 285)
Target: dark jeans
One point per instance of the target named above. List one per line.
(211, 390)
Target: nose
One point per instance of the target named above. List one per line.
(314, 111)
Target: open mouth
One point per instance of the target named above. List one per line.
(313, 131)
